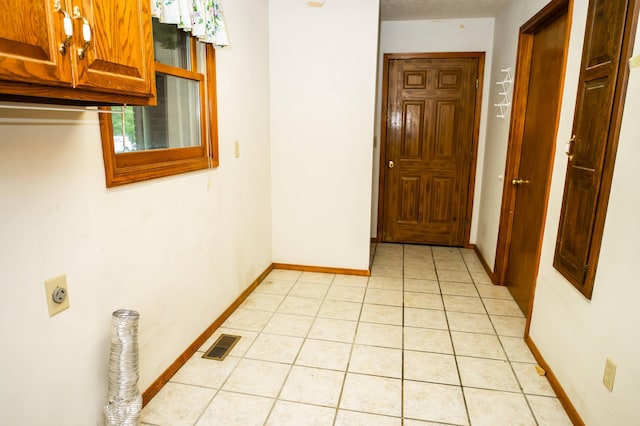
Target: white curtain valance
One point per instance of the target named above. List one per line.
(203, 18)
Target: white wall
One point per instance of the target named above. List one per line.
(574, 335)
(450, 35)
(323, 69)
(176, 249)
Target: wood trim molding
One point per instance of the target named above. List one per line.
(328, 270)
(476, 130)
(155, 387)
(555, 384)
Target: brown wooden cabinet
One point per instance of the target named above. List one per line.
(77, 51)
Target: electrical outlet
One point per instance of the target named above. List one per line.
(609, 375)
(57, 294)
(236, 149)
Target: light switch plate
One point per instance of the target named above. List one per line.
(634, 62)
(50, 286)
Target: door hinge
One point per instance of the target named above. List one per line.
(585, 270)
(477, 84)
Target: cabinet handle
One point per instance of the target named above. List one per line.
(67, 25)
(86, 32)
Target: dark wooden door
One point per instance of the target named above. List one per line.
(430, 117)
(530, 179)
(607, 45)
(31, 33)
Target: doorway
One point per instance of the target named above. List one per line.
(538, 88)
(430, 115)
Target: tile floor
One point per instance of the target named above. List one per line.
(426, 340)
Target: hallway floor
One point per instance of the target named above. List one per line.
(426, 340)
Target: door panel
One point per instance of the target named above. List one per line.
(536, 158)
(429, 138)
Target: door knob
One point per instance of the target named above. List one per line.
(519, 181)
(391, 164)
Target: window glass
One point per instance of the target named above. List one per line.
(171, 45)
(173, 123)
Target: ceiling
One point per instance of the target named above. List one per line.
(402, 10)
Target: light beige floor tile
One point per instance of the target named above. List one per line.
(508, 326)
(427, 340)
(259, 378)
(517, 350)
(376, 361)
(262, 302)
(353, 418)
(491, 408)
(386, 270)
(472, 305)
(430, 367)
(419, 262)
(472, 323)
(388, 260)
(383, 297)
(425, 272)
(454, 276)
(381, 314)
(388, 336)
(481, 277)
(351, 280)
(313, 386)
(503, 307)
(451, 265)
(372, 394)
(247, 319)
(274, 287)
(434, 402)
(408, 422)
(413, 250)
(177, 405)
(300, 306)
(289, 325)
(204, 372)
(487, 374)
(284, 275)
(458, 289)
(316, 277)
(389, 248)
(446, 253)
(271, 347)
(246, 340)
(423, 300)
(385, 283)
(477, 345)
(548, 411)
(324, 354)
(234, 409)
(312, 290)
(492, 291)
(530, 381)
(333, 330)
(473, 265)
(421, 286)
(425, 318)
(340, 310)
(293, 414)
(346, 294)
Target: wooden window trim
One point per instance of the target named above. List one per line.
(129, 167)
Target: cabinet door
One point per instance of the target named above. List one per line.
(119, 56)
(30, 36)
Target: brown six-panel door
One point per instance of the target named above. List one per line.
(430, 113)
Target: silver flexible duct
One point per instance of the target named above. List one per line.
(125, 402)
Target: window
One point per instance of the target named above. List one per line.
(180, 133)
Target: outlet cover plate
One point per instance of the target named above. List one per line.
(609, 375)
(49, 286)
